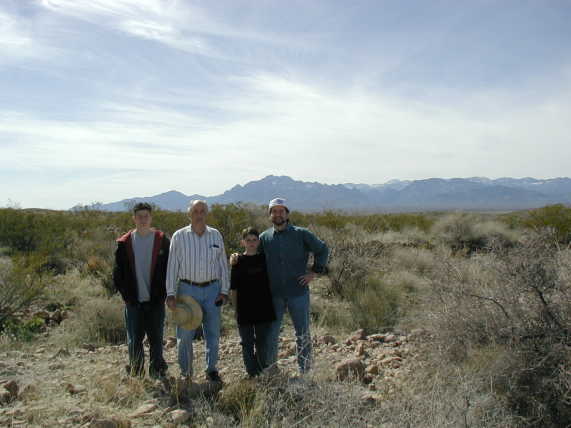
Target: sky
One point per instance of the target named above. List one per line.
(102, 100)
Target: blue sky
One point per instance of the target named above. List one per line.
(101, 100)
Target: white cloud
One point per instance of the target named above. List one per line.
(287, 127)
(18, 40)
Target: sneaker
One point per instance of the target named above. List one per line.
(213, 376)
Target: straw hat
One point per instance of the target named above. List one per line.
(187, 314)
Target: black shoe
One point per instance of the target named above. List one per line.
(213, 376)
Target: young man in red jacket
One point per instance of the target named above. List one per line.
(139, 274)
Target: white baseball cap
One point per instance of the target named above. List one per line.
(277, 202)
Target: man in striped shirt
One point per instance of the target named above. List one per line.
(198, 267)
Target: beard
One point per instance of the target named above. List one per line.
(278, 221)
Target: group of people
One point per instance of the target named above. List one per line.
(269, 278)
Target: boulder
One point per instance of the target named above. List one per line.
(353, 368)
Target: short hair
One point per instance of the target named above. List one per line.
(250, 231)
(142, 206)
(195, 202)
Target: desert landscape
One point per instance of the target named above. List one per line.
(425, 320)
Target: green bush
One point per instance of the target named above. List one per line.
(20, 286)
(375, 304)
(554, 217)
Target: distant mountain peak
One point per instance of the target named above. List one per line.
(474, 193)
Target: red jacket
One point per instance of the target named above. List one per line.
(124, 276)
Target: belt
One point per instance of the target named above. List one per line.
(198, 284)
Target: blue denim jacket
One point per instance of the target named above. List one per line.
(287, 253)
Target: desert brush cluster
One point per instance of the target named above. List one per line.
(448, 319)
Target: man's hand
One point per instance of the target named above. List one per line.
(307, 278)
(234, 259)
(171, 302)
(221, 299)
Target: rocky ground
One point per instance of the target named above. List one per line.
(45, 385)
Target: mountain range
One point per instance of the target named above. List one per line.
(475, 193)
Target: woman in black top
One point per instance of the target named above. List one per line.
(253, 302)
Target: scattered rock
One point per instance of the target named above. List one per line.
(394, 362)
(56, 366)
(360, 349)
(179, 416)
(12, 387)
(367, 379)
(62, 352)
(350, 368)
(5, 397)
(58, 316)
(75, 389)
(170, 342)
(143, 410)
(328, 340)
(372, 369)
(358, 335)
(390, 338)
(45, 315)
(110, 423)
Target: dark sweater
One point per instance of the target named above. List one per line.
(250, 279)
(124, 277)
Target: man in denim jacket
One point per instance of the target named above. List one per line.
(287, 248)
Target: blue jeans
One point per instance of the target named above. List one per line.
(140, 319)
(254, 340)
(205, 296)
(298, 308)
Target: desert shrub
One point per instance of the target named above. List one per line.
(409, 237)
(283, 402)
(416, 260)
(351, 258)
(17, 329)
(516, 298)
(20, 286)
(436, 393)
(370, 223)
(230, 220)
(554, 217)
(468, 233)
(376, 304)
(98, 321)
(332, 314)
(95, 317)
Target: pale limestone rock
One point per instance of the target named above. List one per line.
(143, 410)
(180, 416)
(390, 338)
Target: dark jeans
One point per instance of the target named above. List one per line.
(145, 319)
(298, 308)
(255, 341)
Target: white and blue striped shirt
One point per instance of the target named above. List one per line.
(197, 258)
